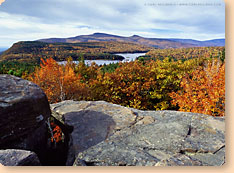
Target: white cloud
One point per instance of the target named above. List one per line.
(35, 19)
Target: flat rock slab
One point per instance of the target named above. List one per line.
(12, 157)
(92, 122)
(111, 135)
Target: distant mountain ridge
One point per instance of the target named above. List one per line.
(2, 49)
(95, 46)
(152, 42)
(207, 43)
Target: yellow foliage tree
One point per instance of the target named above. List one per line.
(203, 91)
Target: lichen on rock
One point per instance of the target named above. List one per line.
(106, 134)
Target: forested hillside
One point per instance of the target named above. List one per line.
(32, 51)
(187, 53)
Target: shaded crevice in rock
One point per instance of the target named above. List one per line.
(206, 157)
(57, 155)
(136, 119)
(189, 131)
(219, 149)
(88, 163)
(209, 158)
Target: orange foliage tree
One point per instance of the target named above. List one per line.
(203, 91)
(57, 81)
(57, 133)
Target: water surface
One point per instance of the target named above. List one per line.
(128, 57)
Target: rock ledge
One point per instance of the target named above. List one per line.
(105, 134)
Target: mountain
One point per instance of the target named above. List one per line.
(95, 46)
(152, 42)
(216, 42)
(207, 43)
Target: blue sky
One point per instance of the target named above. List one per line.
(22, 20)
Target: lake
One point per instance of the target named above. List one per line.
(128, 57)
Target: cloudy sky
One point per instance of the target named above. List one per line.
(35, 19)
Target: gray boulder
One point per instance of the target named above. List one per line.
(12, 157)
(105, 134)
(24, 110)
(92, 122)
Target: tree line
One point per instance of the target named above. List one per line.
(195, 85)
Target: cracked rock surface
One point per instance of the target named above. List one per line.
(105, 134)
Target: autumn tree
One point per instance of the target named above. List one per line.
(203, 91)
(141, 85)
(57, 81)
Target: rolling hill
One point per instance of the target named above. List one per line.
(152, 42)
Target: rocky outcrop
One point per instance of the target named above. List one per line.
(24, 110)
(102, 134)
(105, 134)
(12, 157)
